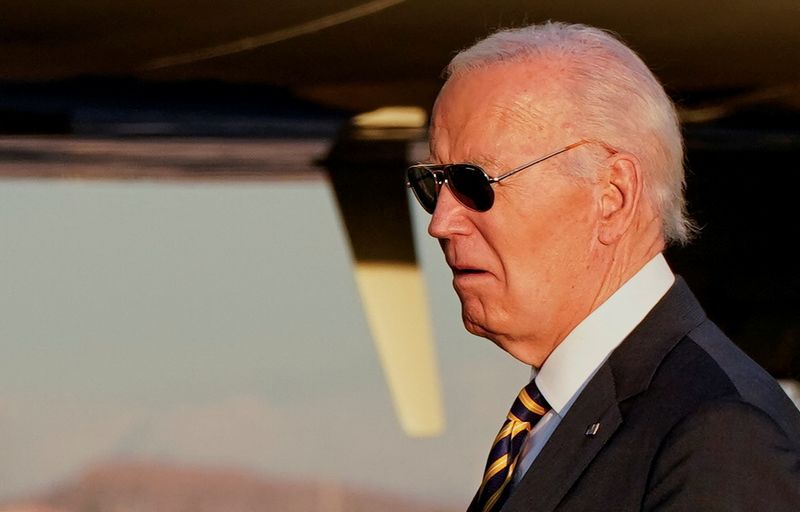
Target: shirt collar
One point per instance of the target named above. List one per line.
(575, 360)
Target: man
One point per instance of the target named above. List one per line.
(555, 183)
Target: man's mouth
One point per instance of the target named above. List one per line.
(467, 271)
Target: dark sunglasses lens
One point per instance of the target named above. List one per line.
(423, 183)
(470, 186)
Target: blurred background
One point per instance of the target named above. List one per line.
(214, 293)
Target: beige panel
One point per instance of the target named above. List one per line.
(395, 304)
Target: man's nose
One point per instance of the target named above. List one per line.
(449, 217)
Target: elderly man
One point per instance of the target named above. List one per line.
(555, 183)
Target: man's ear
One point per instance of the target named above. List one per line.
(619, 197)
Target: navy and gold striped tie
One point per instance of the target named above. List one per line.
(526, 410)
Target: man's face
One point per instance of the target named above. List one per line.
(519, 269)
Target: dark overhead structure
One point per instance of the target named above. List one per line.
(360, 54)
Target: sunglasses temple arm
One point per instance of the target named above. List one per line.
(538, 160)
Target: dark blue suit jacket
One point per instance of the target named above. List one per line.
(687, 422)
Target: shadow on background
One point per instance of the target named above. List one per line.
(744, 266)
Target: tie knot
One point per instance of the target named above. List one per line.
(530, 405)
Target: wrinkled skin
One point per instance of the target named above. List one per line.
(553, 247)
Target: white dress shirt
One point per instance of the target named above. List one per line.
(575, 360)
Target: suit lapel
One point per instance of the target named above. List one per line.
(627, 372)
(570, 449)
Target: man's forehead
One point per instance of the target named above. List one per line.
(494, 112)
(444, 150)
(480, 130)
(501, 95)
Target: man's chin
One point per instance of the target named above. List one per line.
(479, 316)
(478, 328)
(520, 351)
(475, 329)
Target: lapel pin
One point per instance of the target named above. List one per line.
(592, 429)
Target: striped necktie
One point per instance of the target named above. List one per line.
(526, 410)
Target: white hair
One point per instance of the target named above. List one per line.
(619, 100)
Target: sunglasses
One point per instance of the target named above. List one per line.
(469, 183)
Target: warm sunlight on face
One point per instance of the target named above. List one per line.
(517, 266)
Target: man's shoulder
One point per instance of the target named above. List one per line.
(726, 454)
(719, 428)
(677, 360)
(706, 372)
(753, 383)
(701, 427)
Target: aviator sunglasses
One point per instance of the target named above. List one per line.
(469, 183)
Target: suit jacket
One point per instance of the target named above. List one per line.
(686, 422)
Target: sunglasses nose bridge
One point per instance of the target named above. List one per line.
(439, 175)
(439, 178)
(452, 197)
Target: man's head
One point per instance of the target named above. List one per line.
(564, 234)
